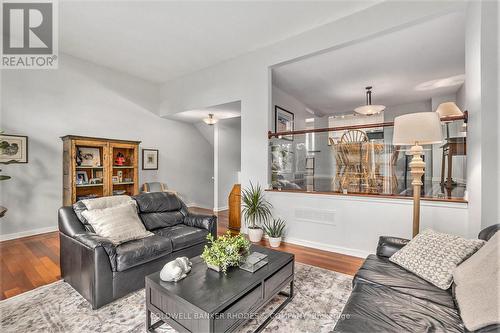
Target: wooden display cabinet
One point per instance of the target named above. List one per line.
(91, 168)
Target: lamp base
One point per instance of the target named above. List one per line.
(417, 167)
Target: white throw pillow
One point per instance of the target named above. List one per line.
(477, 288)
(107, 202)
(433, 256)
(119, 224)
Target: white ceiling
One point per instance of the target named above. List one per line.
(406, 66)
(223, 111)
(161, 40)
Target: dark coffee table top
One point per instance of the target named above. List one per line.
(211, 291)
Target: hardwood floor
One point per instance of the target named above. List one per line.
(30, 262)
(27, 263)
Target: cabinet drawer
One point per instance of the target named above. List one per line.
(238, 310)
(273, 282)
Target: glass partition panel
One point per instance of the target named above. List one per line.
(364, 161)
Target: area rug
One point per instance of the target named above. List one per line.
(320, 296)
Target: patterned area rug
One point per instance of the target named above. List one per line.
(319, 298)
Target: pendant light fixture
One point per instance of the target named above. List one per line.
(369, 109)
(210, 120)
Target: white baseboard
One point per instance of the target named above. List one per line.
(321, 246)
(328, 247)
(221, 209)
(27, 233)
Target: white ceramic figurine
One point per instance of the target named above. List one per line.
(175, 270)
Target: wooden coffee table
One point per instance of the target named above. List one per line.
(209, 301)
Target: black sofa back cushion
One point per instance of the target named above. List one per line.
(157, 202)
(154, 221)
(159, 209)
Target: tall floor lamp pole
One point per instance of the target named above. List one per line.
(416, 129)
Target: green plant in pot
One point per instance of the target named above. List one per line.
(225, 251)
(274, 230)
(256, 210)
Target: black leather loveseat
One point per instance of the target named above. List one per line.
(102, 272)
(387, 298)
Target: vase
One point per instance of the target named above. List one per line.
(255, 234)
(274, 241)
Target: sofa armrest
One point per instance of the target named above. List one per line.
(387, 246)
(207, 222)
(68, 222)
(488, 232)
(87, 266)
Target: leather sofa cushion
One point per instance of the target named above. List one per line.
(161, 219)
(377, 308)
(183, 236)
(381, 271)
(156, 202)
(140, 251)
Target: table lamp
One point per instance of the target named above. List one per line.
(448, 109)
(417, 129)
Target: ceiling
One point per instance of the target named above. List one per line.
(161, 40)
(223, 111)
(406, 66)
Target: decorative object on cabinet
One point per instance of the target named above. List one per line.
(120, 159)
(13, 148)
(89, 157)
(283, 122)
(150, 159)
(234, 205)
(98, 164)
(416, 129)
(81, 178)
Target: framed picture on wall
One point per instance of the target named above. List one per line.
(13, 148)
(283, 122)
(150, 159)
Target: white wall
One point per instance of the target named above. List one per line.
(352, 225)
(228, 157)
(84, 99)
(481, 100)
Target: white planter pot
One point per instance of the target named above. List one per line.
(255, 234)
(274, 241)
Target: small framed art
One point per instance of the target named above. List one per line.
(150, 159)
(13, 148)
(283, 122)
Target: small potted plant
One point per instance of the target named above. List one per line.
(274, 231)
(225, 251)
(256, 210)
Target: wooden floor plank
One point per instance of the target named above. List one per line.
(29, 262)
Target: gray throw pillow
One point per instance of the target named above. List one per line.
(477, 289)
(433, 256)
(118, 224)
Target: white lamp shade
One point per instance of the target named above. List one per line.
(448, 109)
(417, 128)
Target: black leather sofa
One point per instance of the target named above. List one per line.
(102, 272)
(388, 298)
